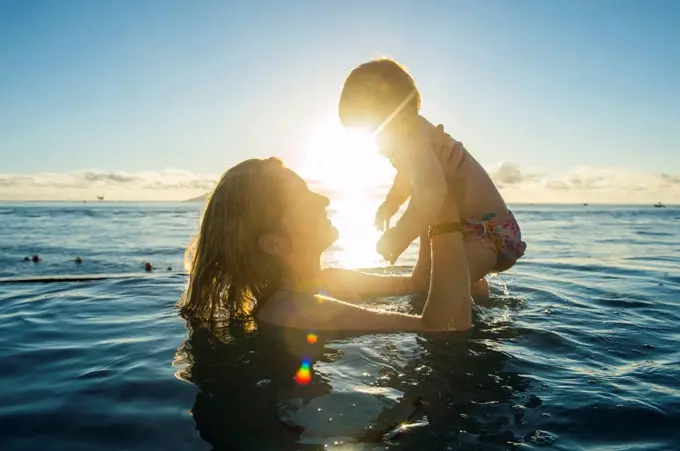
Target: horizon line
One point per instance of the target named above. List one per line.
(195, 201)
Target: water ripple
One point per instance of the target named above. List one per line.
(577, 350)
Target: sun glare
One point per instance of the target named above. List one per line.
(345, 160)
(345, 165)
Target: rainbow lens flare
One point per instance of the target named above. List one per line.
(303, 375)
(312, 338)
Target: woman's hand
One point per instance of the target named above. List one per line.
(451, 158)
(451, 153)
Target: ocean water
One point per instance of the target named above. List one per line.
(579, 349)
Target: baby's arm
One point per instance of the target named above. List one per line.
(400, 191)
(428, 192)
(426, 177)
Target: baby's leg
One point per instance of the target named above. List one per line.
(480, 291)
(481, 261)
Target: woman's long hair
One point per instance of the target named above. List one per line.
(228, 272)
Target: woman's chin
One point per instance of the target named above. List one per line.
(332, 235)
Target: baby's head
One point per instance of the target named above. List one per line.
(378, 95)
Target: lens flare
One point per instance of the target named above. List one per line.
(312, 338)
(303, 375)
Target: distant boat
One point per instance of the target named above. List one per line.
(659, 205)
(100, 197)
(585, 205)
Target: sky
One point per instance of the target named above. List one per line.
(561, 101)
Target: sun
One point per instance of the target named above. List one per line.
(344, 160)
(345, 165)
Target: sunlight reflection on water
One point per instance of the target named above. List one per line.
(353, 216)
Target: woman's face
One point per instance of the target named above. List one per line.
(305, 220)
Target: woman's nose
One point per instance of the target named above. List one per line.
(324, 201)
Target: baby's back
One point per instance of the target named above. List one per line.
(480, 195)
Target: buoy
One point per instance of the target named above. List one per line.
(148, 266)
(78, 260)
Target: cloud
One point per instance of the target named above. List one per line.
(510, 174)
(586, 184)
(517, 184)
(169, 184)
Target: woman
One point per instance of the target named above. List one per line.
(259, 249)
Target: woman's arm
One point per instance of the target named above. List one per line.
(354, 286)
(423, 267)
(448, 306)
(449, 298)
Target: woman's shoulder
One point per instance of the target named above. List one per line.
(285, 308)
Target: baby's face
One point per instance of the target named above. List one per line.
(390, 142)
(388, 147)
(391, 150)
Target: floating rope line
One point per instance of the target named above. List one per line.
(81, 278)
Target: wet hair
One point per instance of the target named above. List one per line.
(228, 272)
(375, 92)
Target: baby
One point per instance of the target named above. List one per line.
(382, 96)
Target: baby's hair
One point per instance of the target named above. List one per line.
(376, 91)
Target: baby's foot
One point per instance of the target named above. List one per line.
(480, 291)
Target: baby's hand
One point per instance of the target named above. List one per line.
(384, 247)
(387, 246)
(384, 214)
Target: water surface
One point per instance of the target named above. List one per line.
(578, 351)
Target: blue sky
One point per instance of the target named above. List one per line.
(544, 86)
